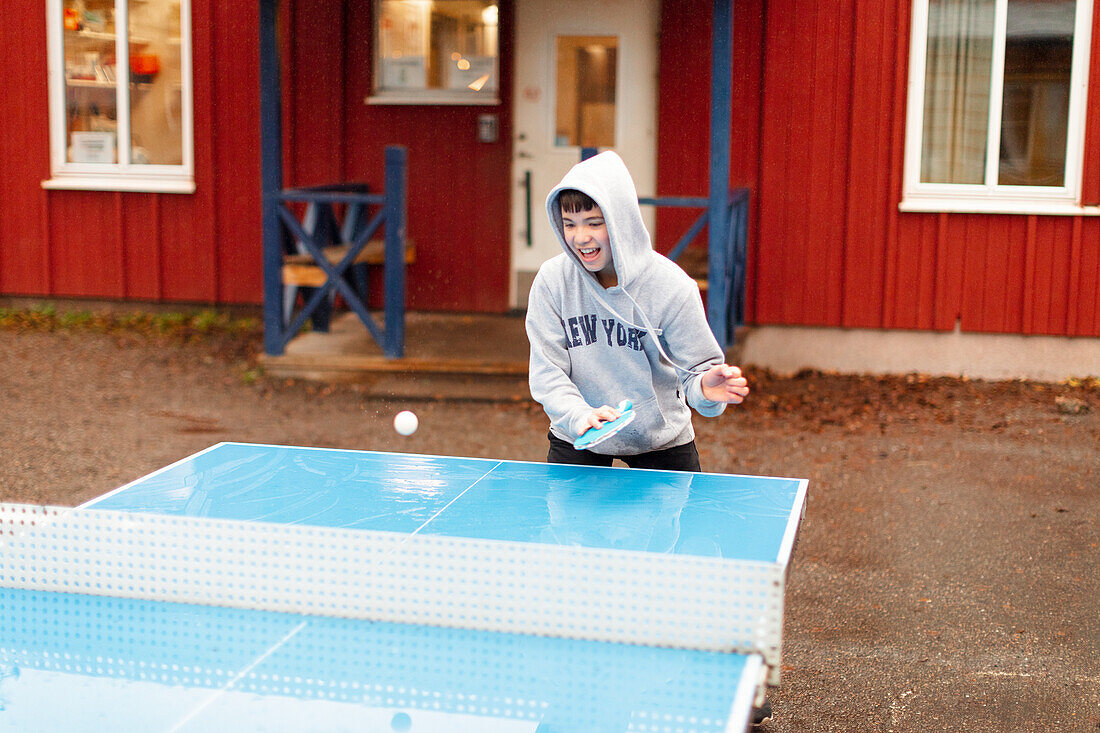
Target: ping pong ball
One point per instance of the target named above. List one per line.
(405, 423)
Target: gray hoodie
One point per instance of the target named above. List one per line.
(592, 346)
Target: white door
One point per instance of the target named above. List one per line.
(586, 76)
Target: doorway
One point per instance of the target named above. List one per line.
(586, 76)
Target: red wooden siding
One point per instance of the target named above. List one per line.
(459, 188)
(144, 219)
(804, 149)
(1086, 314)
(828, 245)
(316, 94)
(205, 247)
(202, 247)
(818, 137)
(227, 154)
(86, 252)
(24, 158)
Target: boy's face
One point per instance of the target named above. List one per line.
(586, 233)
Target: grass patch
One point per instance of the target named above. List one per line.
(183, 325)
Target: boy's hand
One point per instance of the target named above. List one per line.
(599, 416)
(724, 383)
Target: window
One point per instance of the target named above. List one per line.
(120, 126)
(996, 105)
(435, 52)
(585, 91)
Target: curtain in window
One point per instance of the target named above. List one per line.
(957, 90)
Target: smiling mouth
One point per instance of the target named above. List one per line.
(588, 251)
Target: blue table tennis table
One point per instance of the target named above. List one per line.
(273, 588)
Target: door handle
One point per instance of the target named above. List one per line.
(527, 205)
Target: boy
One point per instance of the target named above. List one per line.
(611, 319)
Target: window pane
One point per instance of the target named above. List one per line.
(586, 91)
(91, 104)
(156, 85)
(1035, 113)
(956, 92)
(440, 44)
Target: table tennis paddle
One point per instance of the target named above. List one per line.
(595, 436)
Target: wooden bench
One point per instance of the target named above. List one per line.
(301, 270)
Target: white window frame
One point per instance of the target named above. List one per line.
(123, 175)
(441, 97)
(991, 197)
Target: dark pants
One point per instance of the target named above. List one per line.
(679, 458)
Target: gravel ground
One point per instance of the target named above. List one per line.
(946, 576)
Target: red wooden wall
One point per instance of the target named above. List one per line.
(202, 247)
(205, 247)
(459, 188)
(818, 137)
(24, 162)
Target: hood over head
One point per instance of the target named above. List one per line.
(606, 180)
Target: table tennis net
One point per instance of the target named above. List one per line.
(686, 602)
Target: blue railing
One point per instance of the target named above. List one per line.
(319, 229)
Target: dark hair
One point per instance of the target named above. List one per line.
(572, 201)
